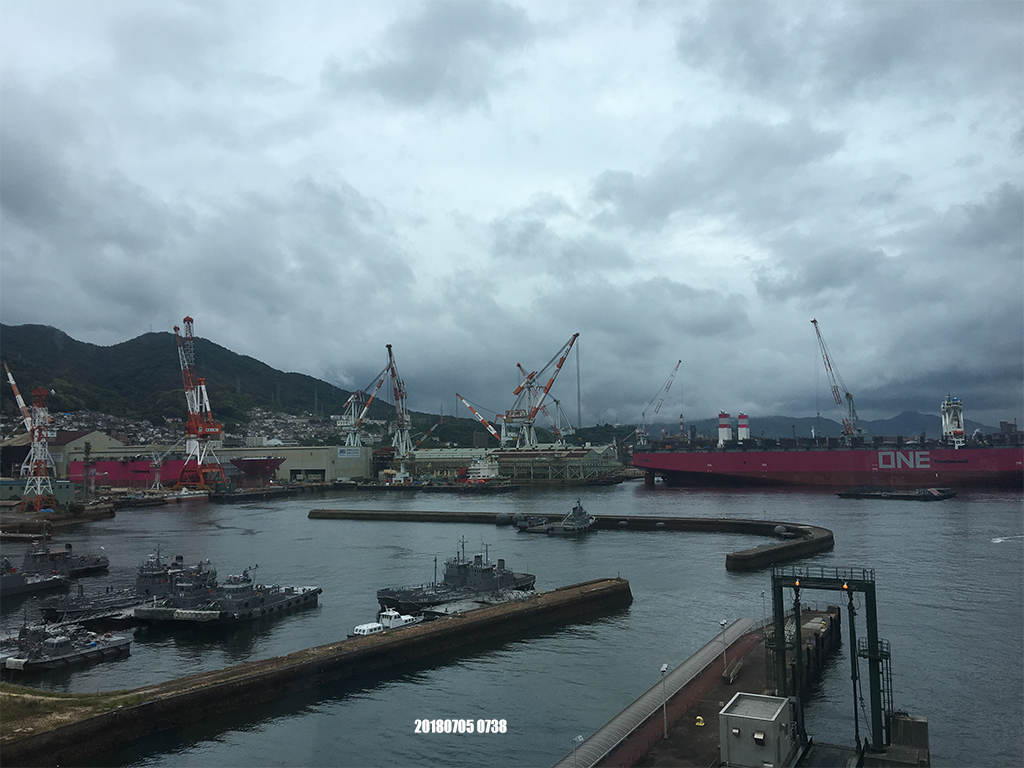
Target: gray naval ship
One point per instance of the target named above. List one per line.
(39, 648)
(464, 580)
(156, 578)
(236, 600)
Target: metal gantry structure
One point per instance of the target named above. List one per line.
(872, 648)
(201, 467)
(645, 426)
(517, 422)
(38, 468)
(851, 425)
(356, 408)
(402, 440)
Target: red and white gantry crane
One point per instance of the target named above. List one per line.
(38, 467)
(201, 467)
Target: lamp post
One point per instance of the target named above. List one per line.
(575, 743)
(725, 662)
(664, 698)
(764, 616)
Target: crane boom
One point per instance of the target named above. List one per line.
(851, 425)
(560, 356)
(643, 427)
(25, 415)
(481, 418)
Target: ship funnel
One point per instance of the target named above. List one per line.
(742, 427)
(724, 429)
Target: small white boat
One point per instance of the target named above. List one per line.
(362, 630)
(392, 619)
(388, 619)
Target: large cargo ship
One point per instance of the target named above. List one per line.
(953, 462)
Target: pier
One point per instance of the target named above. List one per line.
(800, 541)
(164, 706)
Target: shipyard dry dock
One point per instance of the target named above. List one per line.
(145, 711)
(797, 540)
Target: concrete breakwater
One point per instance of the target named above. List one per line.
(700, 686)
(801, 541)
(207, 695)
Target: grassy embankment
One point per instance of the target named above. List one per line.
(30, 710)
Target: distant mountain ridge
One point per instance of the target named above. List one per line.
(141, 379)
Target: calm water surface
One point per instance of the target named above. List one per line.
(950, 579)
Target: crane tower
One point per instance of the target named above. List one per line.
(644, 426)
(201, 467)
(517, 423)
(851, 425)
(38, 467)
(402, 440)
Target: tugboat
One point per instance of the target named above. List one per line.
(235, 601)
(38, 647)
(14, 582)
(576, 523)
(41, 558)
(388, 619)
(156, 578)
(463, 580)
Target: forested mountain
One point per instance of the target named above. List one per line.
(141, 378)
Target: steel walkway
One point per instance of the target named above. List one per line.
(606, 738)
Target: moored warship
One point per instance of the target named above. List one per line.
(14, 582)
(38, 647)
(464, 579)
(576, 523)
(42, 558)
(236, 600)
(156, 578)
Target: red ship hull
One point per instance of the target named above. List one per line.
(894, 468)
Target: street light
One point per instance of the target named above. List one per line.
(725, 663)
(764, 616)
(575, 743)
(664, 698)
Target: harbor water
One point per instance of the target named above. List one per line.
(949, 575)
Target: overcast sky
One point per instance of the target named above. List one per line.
(474, 182)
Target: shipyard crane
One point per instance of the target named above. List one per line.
(402, 441)
(201, 467)
(644, 427)
(851, 425)
(38, 466)
(156, 463)
(556, 422)
(351, 422)
(427, 434)
(518, 422)
(25, 415)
